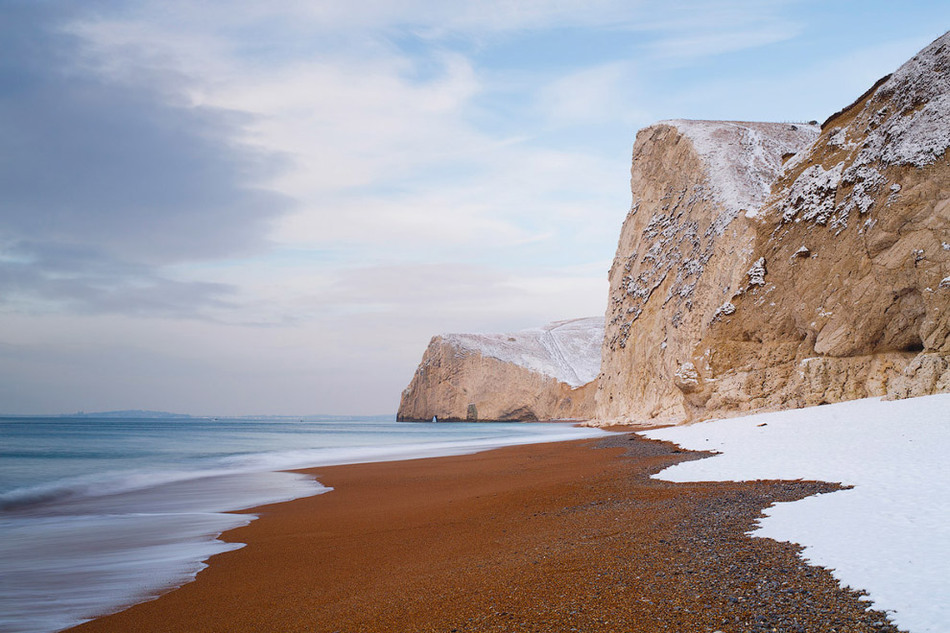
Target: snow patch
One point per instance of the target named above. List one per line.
(744, 158)
(838, 138)
(867, 180)
(905, 122)
(814, 192)
(757, 273)
(890, 533)
(725, 309)
(687, 378)
(918, 131)
(569, 351)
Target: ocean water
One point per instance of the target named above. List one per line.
(97, 514)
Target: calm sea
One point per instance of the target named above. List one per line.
(97, 514)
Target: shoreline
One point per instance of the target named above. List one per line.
(542, 537)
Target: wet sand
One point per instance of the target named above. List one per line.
(570, 536)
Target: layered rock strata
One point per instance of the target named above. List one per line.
(725, 298)
(536, 374)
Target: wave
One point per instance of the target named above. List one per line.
(100, 485)
(335, 456)
(66, 491)
(72, 490)
(100, 542)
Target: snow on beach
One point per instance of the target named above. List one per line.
(888, 535)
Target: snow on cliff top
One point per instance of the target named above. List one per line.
(907, 120)
(744, 158)
(890, 533)
(904, 122)
(566, 350)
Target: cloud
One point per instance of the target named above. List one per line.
(74, 280)
(378, 160)
(386, 141)
(101, 184)
(325, 188)
(590, 95)
(689, 47)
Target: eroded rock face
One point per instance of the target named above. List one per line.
(683, 245)
(863, 313)
(537, 374)
(837, 287)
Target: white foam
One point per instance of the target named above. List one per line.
(86, 546)
(79, 557)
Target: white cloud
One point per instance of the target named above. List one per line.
(378, 155)
(692, 46)
(434, 187)
(588, 95)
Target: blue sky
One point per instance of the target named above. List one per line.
(223, 208)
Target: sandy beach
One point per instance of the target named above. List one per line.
(549, 537)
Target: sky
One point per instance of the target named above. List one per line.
(237, 207)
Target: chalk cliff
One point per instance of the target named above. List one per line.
(536, 374)
(683, 243)
(742, 284)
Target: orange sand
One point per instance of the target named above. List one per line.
(551, 537)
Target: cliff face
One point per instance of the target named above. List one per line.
(837, 287)
(536, 374)
(682, 245)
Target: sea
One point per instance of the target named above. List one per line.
(100, 513)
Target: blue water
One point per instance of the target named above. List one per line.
(97, 514)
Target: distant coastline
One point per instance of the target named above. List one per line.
(143, 414)
(127, 413)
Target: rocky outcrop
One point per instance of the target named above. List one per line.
(683, 243)
(836, 285)
(536, 374)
